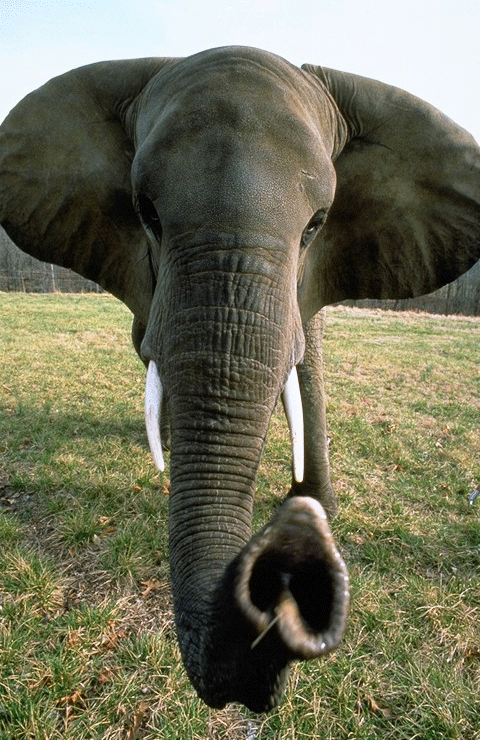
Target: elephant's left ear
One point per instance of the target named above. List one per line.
(406, 214)
(65, 186)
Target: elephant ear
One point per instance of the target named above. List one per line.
(406, 214)
(65, 191)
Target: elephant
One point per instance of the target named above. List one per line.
(226, 198)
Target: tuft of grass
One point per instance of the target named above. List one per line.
(87, 639)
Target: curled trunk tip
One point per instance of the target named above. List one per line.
(292, 579)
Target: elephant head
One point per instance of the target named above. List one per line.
(225, 198)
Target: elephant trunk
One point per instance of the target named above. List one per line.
(292, 404)
(244, 607)
(283, 598)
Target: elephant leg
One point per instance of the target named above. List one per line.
(138, 332)
(316, 482)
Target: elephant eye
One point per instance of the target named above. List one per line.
(313, 227)
(148, 214)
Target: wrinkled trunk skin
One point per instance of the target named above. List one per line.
(225, 353)
(213, 465)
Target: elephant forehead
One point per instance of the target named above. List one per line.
(234, 152)
(229, 135)
(241, 89)
(239, 117)
(218, 184)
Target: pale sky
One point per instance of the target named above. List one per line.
(428, 47)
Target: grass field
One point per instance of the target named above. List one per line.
(87, 644)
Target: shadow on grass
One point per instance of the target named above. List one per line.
(27, 419)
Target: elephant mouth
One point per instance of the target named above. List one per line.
(291, 400)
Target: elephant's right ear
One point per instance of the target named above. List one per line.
(65, 191)
(406, 214)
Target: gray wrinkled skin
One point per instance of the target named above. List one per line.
(226, 198)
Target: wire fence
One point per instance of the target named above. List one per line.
(460, 297)
(20, 272)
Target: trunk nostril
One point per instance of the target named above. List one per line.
(309, 585)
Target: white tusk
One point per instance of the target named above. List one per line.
(292, 403)
(153, 405)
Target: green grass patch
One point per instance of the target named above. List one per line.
(87, 643)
